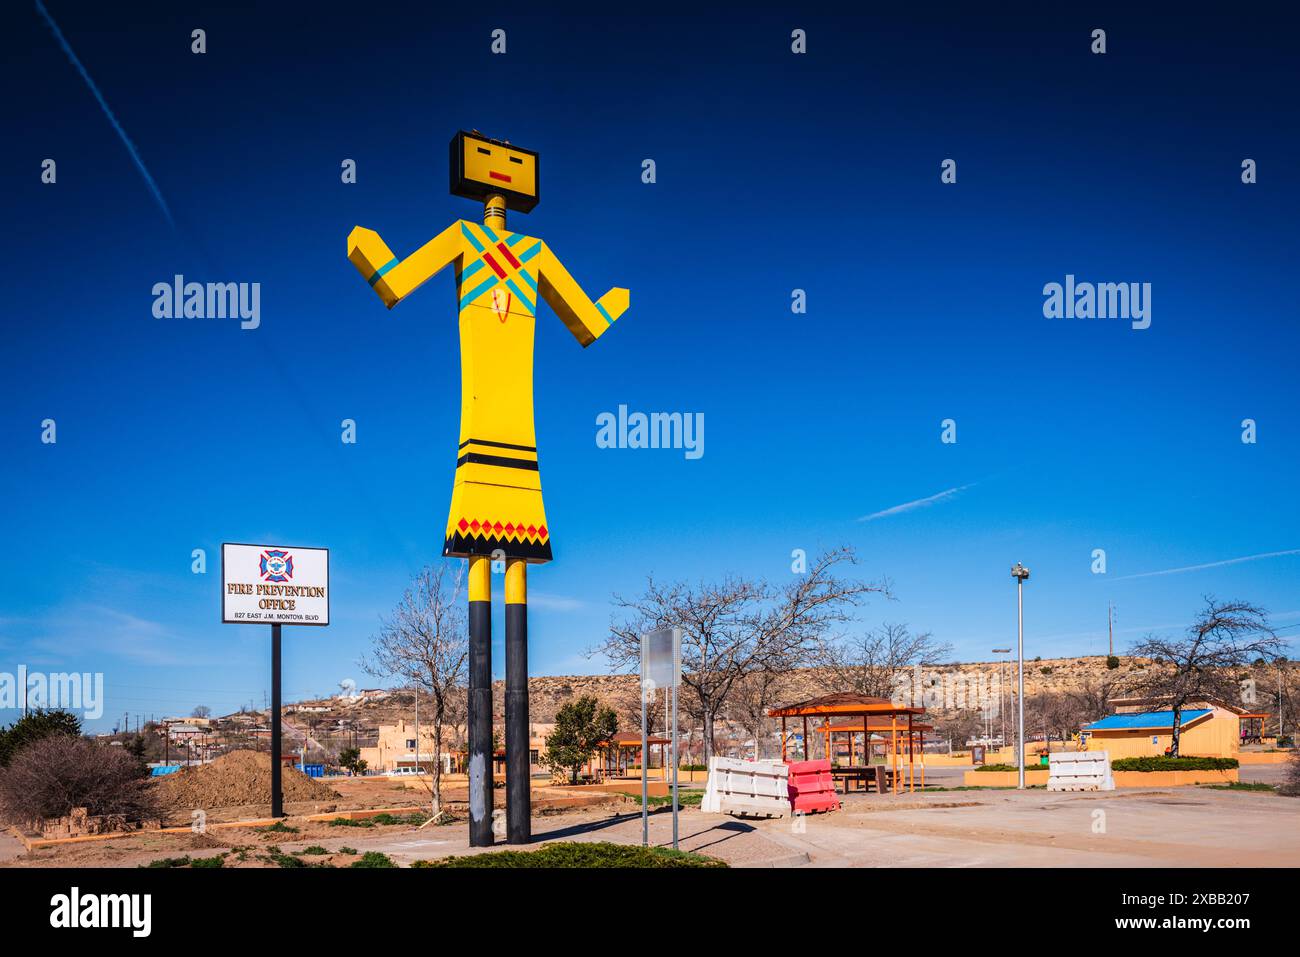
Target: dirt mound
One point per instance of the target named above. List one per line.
(237, 778)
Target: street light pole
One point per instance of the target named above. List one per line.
(1020, 573)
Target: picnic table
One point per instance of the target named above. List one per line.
(865, 776)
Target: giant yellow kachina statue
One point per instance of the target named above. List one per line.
(496, 503)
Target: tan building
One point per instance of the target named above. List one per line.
(396, 747)
(1141, 727)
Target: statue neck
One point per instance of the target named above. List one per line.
(494, 211)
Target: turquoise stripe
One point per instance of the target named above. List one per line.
(464, 228)
(529, 253)
(602, 311)
(470, 270)
(531, 281)
(383, 269)
(473, 294)
(515, 239)
(490, 235)
(510, 284)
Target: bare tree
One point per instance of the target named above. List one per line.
(867, 663)
(751, 699)
(737, 627)
(1092, 698)
(425, 641)
(1224, 637)
(1056, 714)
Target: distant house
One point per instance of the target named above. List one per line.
(1141, 727)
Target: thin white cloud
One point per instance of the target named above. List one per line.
(917, 503)
(103, 105)
(1197, 568)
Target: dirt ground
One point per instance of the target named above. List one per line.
(1170, 827)
(256, 842)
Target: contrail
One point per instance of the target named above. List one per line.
(1197, 568)
(918, 503)
(135, 155)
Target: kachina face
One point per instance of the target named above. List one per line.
(482, 166)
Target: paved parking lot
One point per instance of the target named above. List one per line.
(1171, 827)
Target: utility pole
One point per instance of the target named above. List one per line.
(1110, 629)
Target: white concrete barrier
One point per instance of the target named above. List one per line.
(747, 787)
(1080, 771)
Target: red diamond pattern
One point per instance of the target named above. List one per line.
(511, 529)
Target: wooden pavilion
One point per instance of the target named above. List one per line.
(875, 717)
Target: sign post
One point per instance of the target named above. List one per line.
(661, 667)
(275, 585)
(277, 765)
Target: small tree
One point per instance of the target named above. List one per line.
(580, 728)
(426, 642)
(350, 760)
(34, 726)
(1224, 637)
(202, 711)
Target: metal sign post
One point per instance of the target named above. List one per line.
(645, 776)
(277, 792)
(275, 585)
(661, 667)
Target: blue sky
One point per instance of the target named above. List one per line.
(774, 172)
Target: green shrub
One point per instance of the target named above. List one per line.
(374, 859)
(1112, 662)
(577, 854)
(314, 849)
(279, 827)
(347, 850)
(1009, 767)
(187, 861)
(1163, 763)
(385, 818)
(413, 819)
(684, 799)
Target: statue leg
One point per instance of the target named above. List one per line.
(518, 799)
(480, 701)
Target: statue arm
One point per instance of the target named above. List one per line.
(392, 280)
(586, 320)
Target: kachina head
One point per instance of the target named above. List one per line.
(483, 167)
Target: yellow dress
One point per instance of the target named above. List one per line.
(496, 503)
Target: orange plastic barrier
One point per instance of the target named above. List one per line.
(811, 786)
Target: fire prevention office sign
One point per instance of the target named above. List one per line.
(274, 585)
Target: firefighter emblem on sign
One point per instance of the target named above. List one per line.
(276, 565)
